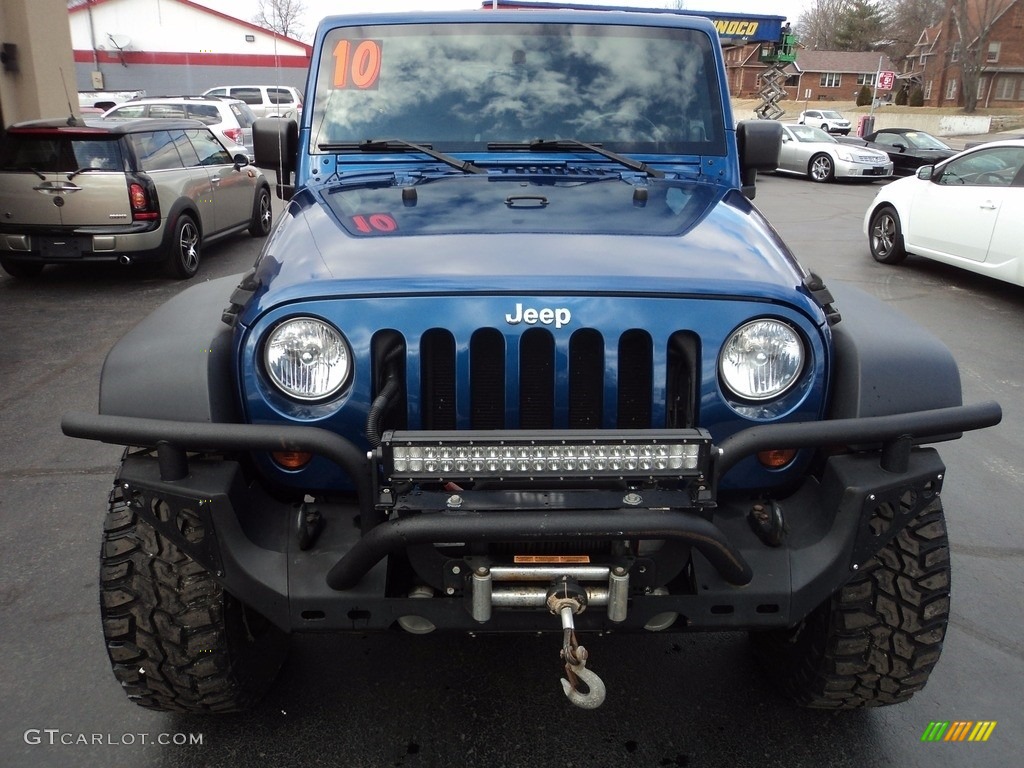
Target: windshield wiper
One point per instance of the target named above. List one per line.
(553, 145)
(390, 145)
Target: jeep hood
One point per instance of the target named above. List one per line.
(517, 234)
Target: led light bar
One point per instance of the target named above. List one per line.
(521, 455)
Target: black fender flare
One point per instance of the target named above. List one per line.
(885, 363)
(176, 363)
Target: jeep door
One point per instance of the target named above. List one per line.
(231, 189)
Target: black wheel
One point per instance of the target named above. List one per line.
(176, 640)
(821, 168)
(25, 270)
(885, 236)
(876, 640)
(184, 253)
(262, 215)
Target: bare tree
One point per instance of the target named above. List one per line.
(282, 16)
(816, 27)
(907, 20)
(973, 21)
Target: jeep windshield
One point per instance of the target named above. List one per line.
(463, 87)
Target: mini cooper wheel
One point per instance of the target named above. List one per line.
(821, 168)
(184, 254)
(24, 270)
(177, 641)
(876, 640)
(885, 236)
(262, 214)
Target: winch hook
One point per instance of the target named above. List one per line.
(565, 599)
(596, 691)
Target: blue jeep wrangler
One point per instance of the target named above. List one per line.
(521, 355)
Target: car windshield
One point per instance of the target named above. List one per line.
(924, 141)
(464, 86)
(809, 133)
(831, 115)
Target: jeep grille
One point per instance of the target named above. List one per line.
(537, 380)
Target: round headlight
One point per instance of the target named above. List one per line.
(307, 359)
(761, 360)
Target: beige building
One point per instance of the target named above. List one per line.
(37, 70)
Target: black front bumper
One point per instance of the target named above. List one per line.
(834, 523)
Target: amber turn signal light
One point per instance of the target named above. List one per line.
(776, 458)
(292, 459)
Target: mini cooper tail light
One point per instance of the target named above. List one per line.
(142, 201)
(235, 134)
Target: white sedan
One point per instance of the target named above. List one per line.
(967, 211)
(811, 152)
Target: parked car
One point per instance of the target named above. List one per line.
(811, 152)
(122, 190)
(230, 119)
(264, 100)
(908, 148)
(828, 120)
(967, 211)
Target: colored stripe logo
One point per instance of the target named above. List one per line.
(958, 730)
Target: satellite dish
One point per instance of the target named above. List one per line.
(120, 41)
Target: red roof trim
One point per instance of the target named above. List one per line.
(194, 59)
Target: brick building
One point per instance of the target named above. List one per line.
(1002, 70)
(815, 76)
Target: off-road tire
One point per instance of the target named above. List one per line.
(262, 214)
(885, 236)
(876, 640)
(177, 641)
(184, 252)
(23, 270)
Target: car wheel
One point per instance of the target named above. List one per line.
(24, 270)
(262, 215)
(825, 128)
(885, 236)
(821, 168)
(184, 254)
(177, 641)
(876, 640)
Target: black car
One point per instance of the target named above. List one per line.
(908, 148)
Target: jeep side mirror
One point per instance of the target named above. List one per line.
(275, 142)
(759, 142)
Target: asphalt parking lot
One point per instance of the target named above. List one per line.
(411, 701)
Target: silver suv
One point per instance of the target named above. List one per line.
(264, 100)
(122, 190)
(230, 119)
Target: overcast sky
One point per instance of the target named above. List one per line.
(317, 9)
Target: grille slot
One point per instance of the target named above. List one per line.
(437, 358)
(586, 379)
(537, 380)
(635, 380)
(487, 379)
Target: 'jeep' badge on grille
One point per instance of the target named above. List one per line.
(557, 317)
